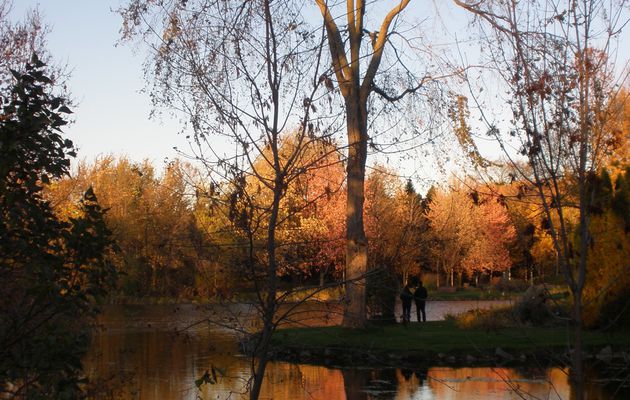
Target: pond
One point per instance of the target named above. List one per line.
(158, 351)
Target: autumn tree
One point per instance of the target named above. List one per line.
(395, 223)
(554, 60)
(310, 231)
(414, 226)
(520, 201)
(384, 244)
(317, 201)
(356, 60)
(151, 216)
(617, 120)
(245, 75)
(450, 216)
(327, 194)
(395, 227)
(472, 231)
(606, 289)
(304, 230)
(493, 235)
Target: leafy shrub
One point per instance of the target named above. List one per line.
(489, 320)
(534, 308)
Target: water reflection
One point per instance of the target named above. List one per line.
(138, 356)
(311, 382)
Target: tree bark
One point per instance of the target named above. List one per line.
(577, 372)
(269, 311)
(356, 243)
(355, 91)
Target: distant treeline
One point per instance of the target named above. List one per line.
(179, 235)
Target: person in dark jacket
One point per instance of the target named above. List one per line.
(420, 296)
(406, 297)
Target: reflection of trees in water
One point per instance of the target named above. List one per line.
(287, 381)
(421, 373)
(138, 352)
(406, 373)
(355, 382)
(409, 382)
(607, 381)
(531, 373)
(496, 381)
(291, 381)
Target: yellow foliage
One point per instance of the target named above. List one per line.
(608, 269)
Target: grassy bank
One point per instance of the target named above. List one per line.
(433, 342)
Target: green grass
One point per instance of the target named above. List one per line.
(437, 337)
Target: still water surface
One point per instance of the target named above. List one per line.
(157, 352)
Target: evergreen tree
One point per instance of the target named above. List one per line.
(51, 271)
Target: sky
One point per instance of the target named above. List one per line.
(111, 114)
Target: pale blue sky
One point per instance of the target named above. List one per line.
(111, 114)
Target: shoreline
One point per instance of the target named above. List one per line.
(337, 357)
(197, 302)
(326, 296)
(441, 343)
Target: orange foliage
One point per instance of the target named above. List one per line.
(472, 232)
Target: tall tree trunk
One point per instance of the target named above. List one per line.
(577, 372)
(355, 91)
(586, 200)
(269, 311)
(356, 246)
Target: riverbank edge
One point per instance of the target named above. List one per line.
(170, 301)
(342, 355)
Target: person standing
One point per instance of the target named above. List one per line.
(406, 297)
(420, 297)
